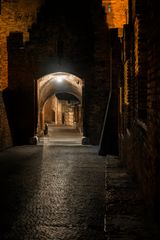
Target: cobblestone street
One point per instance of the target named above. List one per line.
(51, 193)
(61, 190)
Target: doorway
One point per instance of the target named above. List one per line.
(60, 107)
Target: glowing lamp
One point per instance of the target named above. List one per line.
(60, 79)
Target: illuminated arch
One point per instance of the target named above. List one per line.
(54, 83)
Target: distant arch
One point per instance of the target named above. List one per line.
(56, 83)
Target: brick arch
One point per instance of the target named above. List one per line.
(53, 83)
(49, 85)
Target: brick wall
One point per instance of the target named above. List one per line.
(15, 16)
(140, 141)
(117, 13)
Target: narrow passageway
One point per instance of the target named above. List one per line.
(89, 69)
(52, 193)
(60, 135)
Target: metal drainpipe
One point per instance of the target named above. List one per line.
(101, 151)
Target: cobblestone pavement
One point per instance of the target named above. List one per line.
(126, 215)
(68, 192)
(51, 193)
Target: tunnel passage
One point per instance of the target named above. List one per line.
(59, 99)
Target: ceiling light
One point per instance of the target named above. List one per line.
(59, 78)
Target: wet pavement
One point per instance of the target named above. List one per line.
(51, 193)
(61, 190)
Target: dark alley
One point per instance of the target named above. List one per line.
(79, 120)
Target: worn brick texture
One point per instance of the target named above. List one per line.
(15, 16)
(116, 12)
(140, 140)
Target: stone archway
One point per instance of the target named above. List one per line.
(51, 86)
